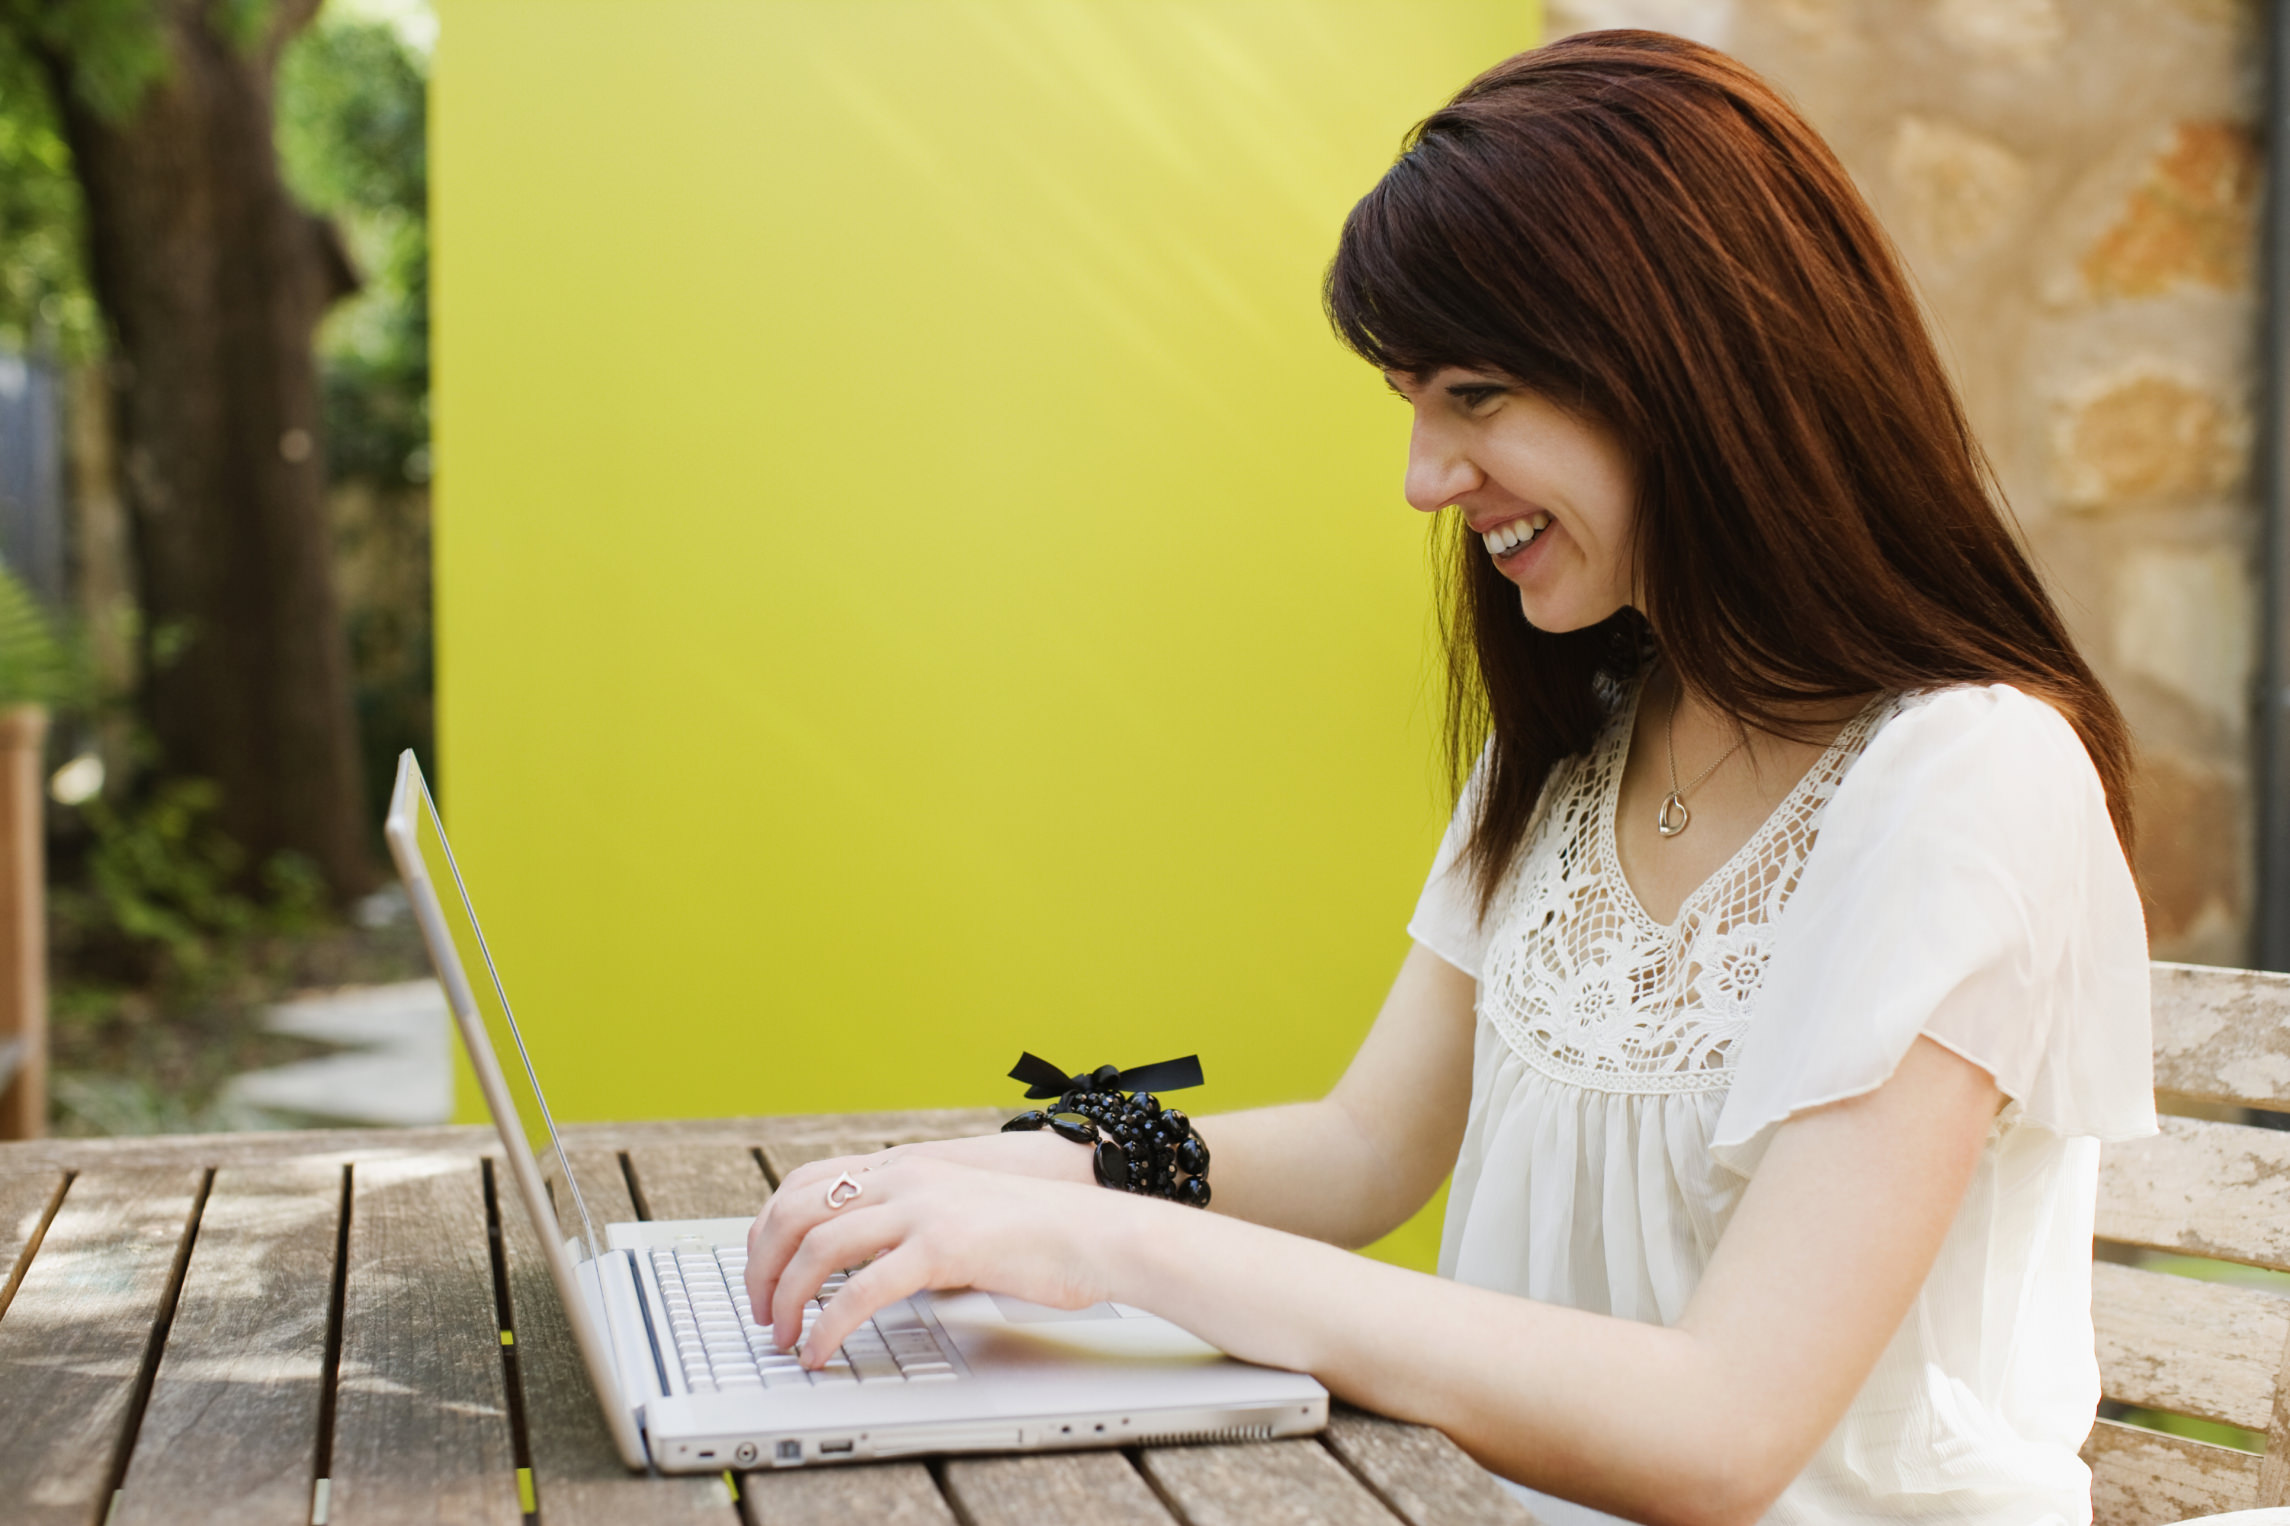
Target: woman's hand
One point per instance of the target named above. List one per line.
(1039, 1154)
(921, 1219)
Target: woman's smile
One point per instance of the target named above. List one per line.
(1532, 480)
(1506, 541)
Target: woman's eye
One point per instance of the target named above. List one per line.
(1474, 398)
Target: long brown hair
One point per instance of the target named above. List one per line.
(1643, 231)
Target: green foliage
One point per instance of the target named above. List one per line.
(43, 287)
(161, 901)
(244, 22)
(167, 960)
(37, 666)
(352, 138)
(108, 52)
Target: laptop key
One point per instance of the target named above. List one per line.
(786, 1377)
(873, 1366)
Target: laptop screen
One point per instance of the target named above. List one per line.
(472, 983)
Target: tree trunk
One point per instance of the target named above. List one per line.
(213, 281)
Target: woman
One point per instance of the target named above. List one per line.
(1781, 972)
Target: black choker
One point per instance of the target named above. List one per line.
(1137, 1144)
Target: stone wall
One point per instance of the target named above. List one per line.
(2075, 188)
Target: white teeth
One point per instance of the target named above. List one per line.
(1504, 539)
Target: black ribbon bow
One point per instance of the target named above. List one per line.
(1045, 1080)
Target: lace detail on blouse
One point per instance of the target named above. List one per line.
(1587, 988)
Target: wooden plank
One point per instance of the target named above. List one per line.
(27, 1197)
(421, 1420)
(756, 1129)
(231, 1431)
(877, 1494)
(2208, 1189)
(1052, 1489)
(77, 1336)
(937, 1123)
(603, 1185)
(241, 1149)
(698, 1181)
(1425, 1479)
(578, 1477)
(2193, 1348)
(2223, 1035)
(2274, 1465)
(1264, 1483)
(2145, 1478)
(478, 1139)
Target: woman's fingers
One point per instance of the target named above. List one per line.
(898, 1273)
(815, 1175)
(850, 1239)
(800, 1202)
(922, 1222)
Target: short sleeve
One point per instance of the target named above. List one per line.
(1965, 884)
(1446, 919)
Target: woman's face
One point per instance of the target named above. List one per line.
(1551, 497)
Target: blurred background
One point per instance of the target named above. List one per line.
(893, 569)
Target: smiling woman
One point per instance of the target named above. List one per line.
(1641, 238)
(1781, 974)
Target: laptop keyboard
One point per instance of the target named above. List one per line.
(723, 1349)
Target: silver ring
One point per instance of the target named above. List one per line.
(842, 1189)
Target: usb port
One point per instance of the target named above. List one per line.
(829, 1448)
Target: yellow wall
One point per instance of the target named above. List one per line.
(916, 578)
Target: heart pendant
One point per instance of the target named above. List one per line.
(1673, 816)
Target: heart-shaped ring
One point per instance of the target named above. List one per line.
(842, 1189)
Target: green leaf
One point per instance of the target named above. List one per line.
(44, 296)
(111, 51)
(36, 666)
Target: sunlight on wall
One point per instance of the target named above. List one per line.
(917, 580)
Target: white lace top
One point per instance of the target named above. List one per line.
(1947, 867)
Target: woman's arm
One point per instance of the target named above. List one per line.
(1354, 1165)
(1703, 1423)
(1346, 1169)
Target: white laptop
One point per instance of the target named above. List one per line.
(688, 1380)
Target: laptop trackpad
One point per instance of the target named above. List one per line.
(997, 1329)
(1019, 1312)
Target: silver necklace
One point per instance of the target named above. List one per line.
(1673, 817)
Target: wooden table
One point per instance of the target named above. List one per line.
(355, 1326)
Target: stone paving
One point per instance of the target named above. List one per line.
(396, 1066)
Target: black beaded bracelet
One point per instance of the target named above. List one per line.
(1137, 1145)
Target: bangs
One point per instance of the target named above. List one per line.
(1433, 269)
(1396, 292)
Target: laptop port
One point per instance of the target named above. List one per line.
(744, 1453)
(790, 1451)
(830, 1448)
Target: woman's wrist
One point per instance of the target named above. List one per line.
(1062, 1159)
(1135, 1144)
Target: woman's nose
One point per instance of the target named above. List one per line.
(1438, 472)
